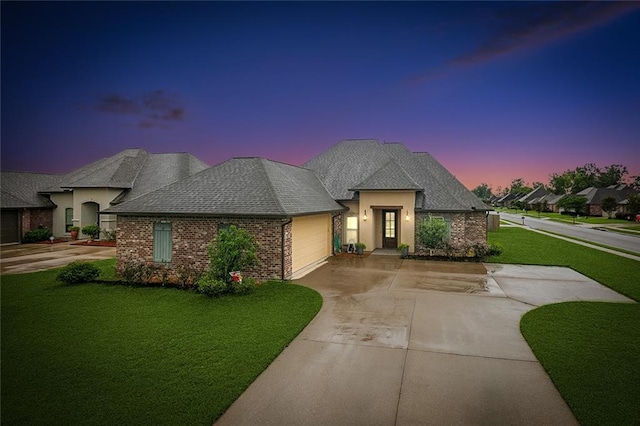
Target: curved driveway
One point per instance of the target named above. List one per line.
(412, 342)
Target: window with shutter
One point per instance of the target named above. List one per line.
(162, 244)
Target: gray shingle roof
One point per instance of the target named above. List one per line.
(240, 186)
(596, 195)
(532, 196)
(354, 164)
(20, 190)
(133, 170)
(389, 177)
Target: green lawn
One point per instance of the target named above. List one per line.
(106, 354)
(589, 349)
(595, 220)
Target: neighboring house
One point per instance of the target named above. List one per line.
(23, 209)
(552, 201)
(530, 199)
(59, 202)
(595, 196)
(508, 199)
(357, 191)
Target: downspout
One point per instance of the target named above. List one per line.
(285, 223)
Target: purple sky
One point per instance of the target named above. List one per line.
(494, 91)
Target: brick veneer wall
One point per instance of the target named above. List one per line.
(34, 218)
(337, 230)
(466, 228)
(192, 235)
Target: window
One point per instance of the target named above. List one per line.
(352, 230)
(68, 219)
(390, 224)
(162, 244)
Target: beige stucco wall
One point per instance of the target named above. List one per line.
(63, 200)
(310, 239)
(370, 231)
(75, 199)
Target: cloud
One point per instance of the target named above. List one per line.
(530, 25)
(153, 109)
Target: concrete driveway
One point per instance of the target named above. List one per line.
(412, 342)
(20, 258)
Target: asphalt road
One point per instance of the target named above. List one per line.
(612, 239)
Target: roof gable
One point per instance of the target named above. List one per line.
(389, 177)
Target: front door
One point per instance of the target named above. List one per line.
(390, 229)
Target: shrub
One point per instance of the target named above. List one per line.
(40, 234)
(433, 233)
(109, 234)
(137, 272)
(494, 249)
(78, 272)
(246, 286)
(92, 231)
(234, 250)
(211, 286)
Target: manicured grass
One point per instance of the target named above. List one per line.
(106, 354)
(589, 349)
(531, 248)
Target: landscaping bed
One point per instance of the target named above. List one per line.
(94, 243)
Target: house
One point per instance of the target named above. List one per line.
(508, 199)
(59, 202)
(23, 208)
(595, 196)
(530, 199)
(357, 191)
(552, 201)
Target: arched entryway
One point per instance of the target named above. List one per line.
(89, 214)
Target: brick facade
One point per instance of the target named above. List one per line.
(466, 228)
(192, 235)
(337, 230)
(35, 218)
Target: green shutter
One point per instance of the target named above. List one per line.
(162, 242)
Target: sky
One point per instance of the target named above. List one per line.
(494, 91)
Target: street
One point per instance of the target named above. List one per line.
(611, 239)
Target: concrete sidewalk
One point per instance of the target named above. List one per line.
(21, 258)
(402, 342)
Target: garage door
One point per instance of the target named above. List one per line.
(10, 227)
(310, 240)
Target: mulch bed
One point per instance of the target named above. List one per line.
(54, 241)
(95, 243)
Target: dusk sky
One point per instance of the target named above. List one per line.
(494, 91)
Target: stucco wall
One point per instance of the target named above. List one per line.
(100, 196)
(63, 200)
(371, 229)
(191, 236)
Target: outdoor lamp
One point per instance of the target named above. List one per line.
(365, 216)
(407, 216)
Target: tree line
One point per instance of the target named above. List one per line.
(568, 182)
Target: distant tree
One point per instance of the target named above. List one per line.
(633, 205)
(609, 204)
(560, 184)
(483, 191)
(635, 183)
(576, 203)
(585, 177)
(541, 206)
(611, 175)
(534, 185)
(519, 185)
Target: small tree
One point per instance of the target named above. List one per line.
(609, 204)
(633, 205)
(573, 202)
(92, 231)
(433, 233)
(234, 250)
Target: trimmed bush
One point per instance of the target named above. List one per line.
(433, 233)
(211, 286)
(40, 234)
(92, 231)
(78, 272)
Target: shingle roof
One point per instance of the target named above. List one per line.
(20, 190)
(238, 187)
(596, 195)
(532, 196)
(133, 170)
(365, 164)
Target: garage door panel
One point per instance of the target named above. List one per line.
(311, 240)
(10, 227)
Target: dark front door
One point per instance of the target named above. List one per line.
(390, 229)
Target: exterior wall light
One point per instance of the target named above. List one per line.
(365, 216)
(407, 216)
